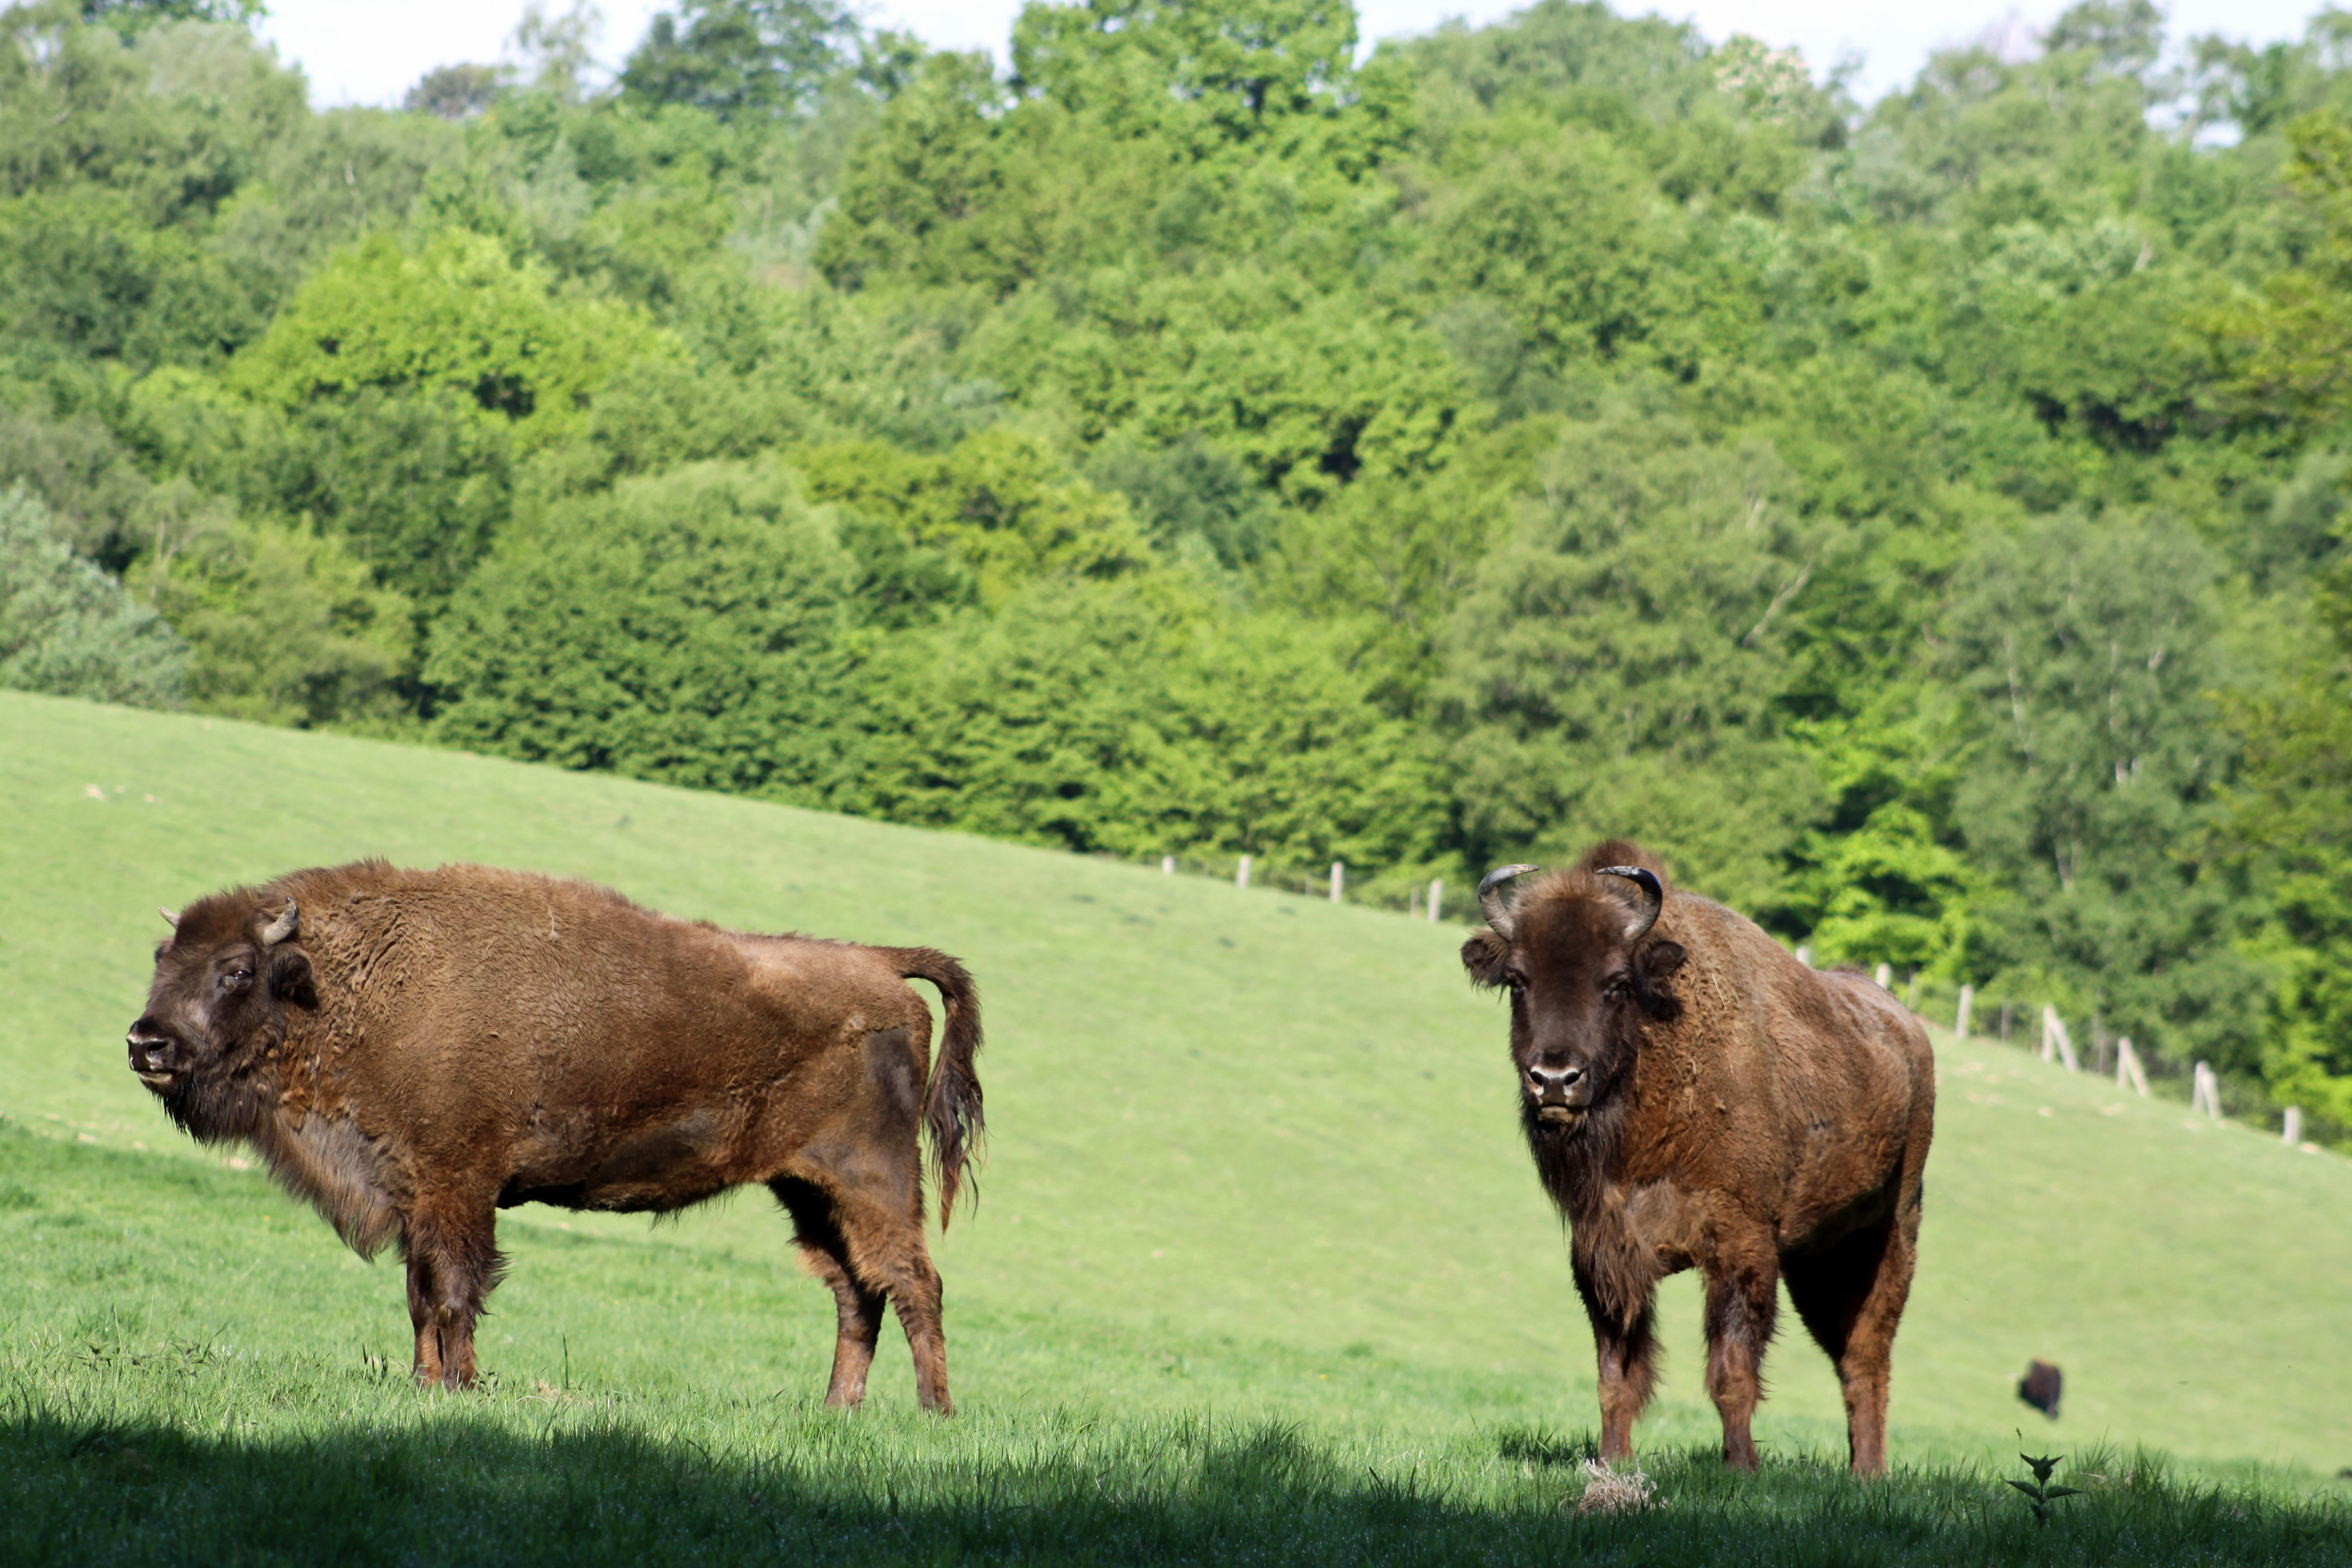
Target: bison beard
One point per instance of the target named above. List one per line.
(412, 1051)
(1694, 1097)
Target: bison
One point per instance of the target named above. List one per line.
(1695, 1097)
(412, 1051)
(2040, 1387)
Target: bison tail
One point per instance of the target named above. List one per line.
(951, 1107)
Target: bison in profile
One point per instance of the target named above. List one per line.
(1697, 1097)
(412, 1051)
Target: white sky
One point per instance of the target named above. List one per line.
(369, 51)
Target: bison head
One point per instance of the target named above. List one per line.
(1585, 969)
(218, 1005)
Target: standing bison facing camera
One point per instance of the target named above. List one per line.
(1697, 1097)
(412, 1051)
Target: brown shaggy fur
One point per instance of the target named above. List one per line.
(2040, 1387)
(427, 1048)
(1699, 1099)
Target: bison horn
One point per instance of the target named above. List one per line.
(1490, 897)
(169, 918)
(1654, 895)
(284, 926)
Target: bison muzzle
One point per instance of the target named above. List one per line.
(1697, 1097)
(412, 1051)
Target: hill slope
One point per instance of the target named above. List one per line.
(1247, 1148)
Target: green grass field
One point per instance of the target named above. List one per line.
(1259, 1267)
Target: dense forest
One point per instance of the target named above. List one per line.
(1922, 522)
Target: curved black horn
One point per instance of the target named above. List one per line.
(1490, 898)
(1654, 895)
(284, 926)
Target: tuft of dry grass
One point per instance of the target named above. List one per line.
(1606, 1491)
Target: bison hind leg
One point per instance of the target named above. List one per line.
(859, 1307)
(1851, 1296)
(868, 1252)
(1742, 1301)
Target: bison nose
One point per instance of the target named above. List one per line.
(1553, 1083)
(151, 1051)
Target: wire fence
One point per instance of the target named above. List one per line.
(2018, 1017)
(1405, 891)
(2029, 1020)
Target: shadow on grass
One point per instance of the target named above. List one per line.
(434, 1480)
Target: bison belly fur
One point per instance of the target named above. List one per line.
(412, 1051)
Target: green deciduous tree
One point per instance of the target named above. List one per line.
(2288, 348)
(68, 629)
(285, 628)
(2293, 811)
(79, 275)
(1117, 718)
(1000, 503)
(685, 627)
(2088, 647)
(458, 313)
(744, 57)
(1614, 669)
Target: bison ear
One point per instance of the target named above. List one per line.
(1483, 956)
(291, 979)
(1655, 968)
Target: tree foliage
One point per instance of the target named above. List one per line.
(68, 629)
(1922, 522)
(685, 628)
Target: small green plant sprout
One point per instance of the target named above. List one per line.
(2039, 1493)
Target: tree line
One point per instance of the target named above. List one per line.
(1921, 520)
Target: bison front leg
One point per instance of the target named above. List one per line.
(1742, 1299)
(452, 1261)
(1624, 1344)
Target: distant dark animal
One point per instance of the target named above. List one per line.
(2041, 1386)
(1695, 1097)
(412, 1051)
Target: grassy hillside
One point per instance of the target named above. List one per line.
(1251, 1156)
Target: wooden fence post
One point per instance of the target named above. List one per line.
(1339, 880)
(2053, 1034)
(2205, 1091)
(1968, 1005)
(1436, 896)
(2128, 1073)
(1167, 865)
(1241, 878)
(1885, 977)
(1805, 956)
(2294, 1132)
